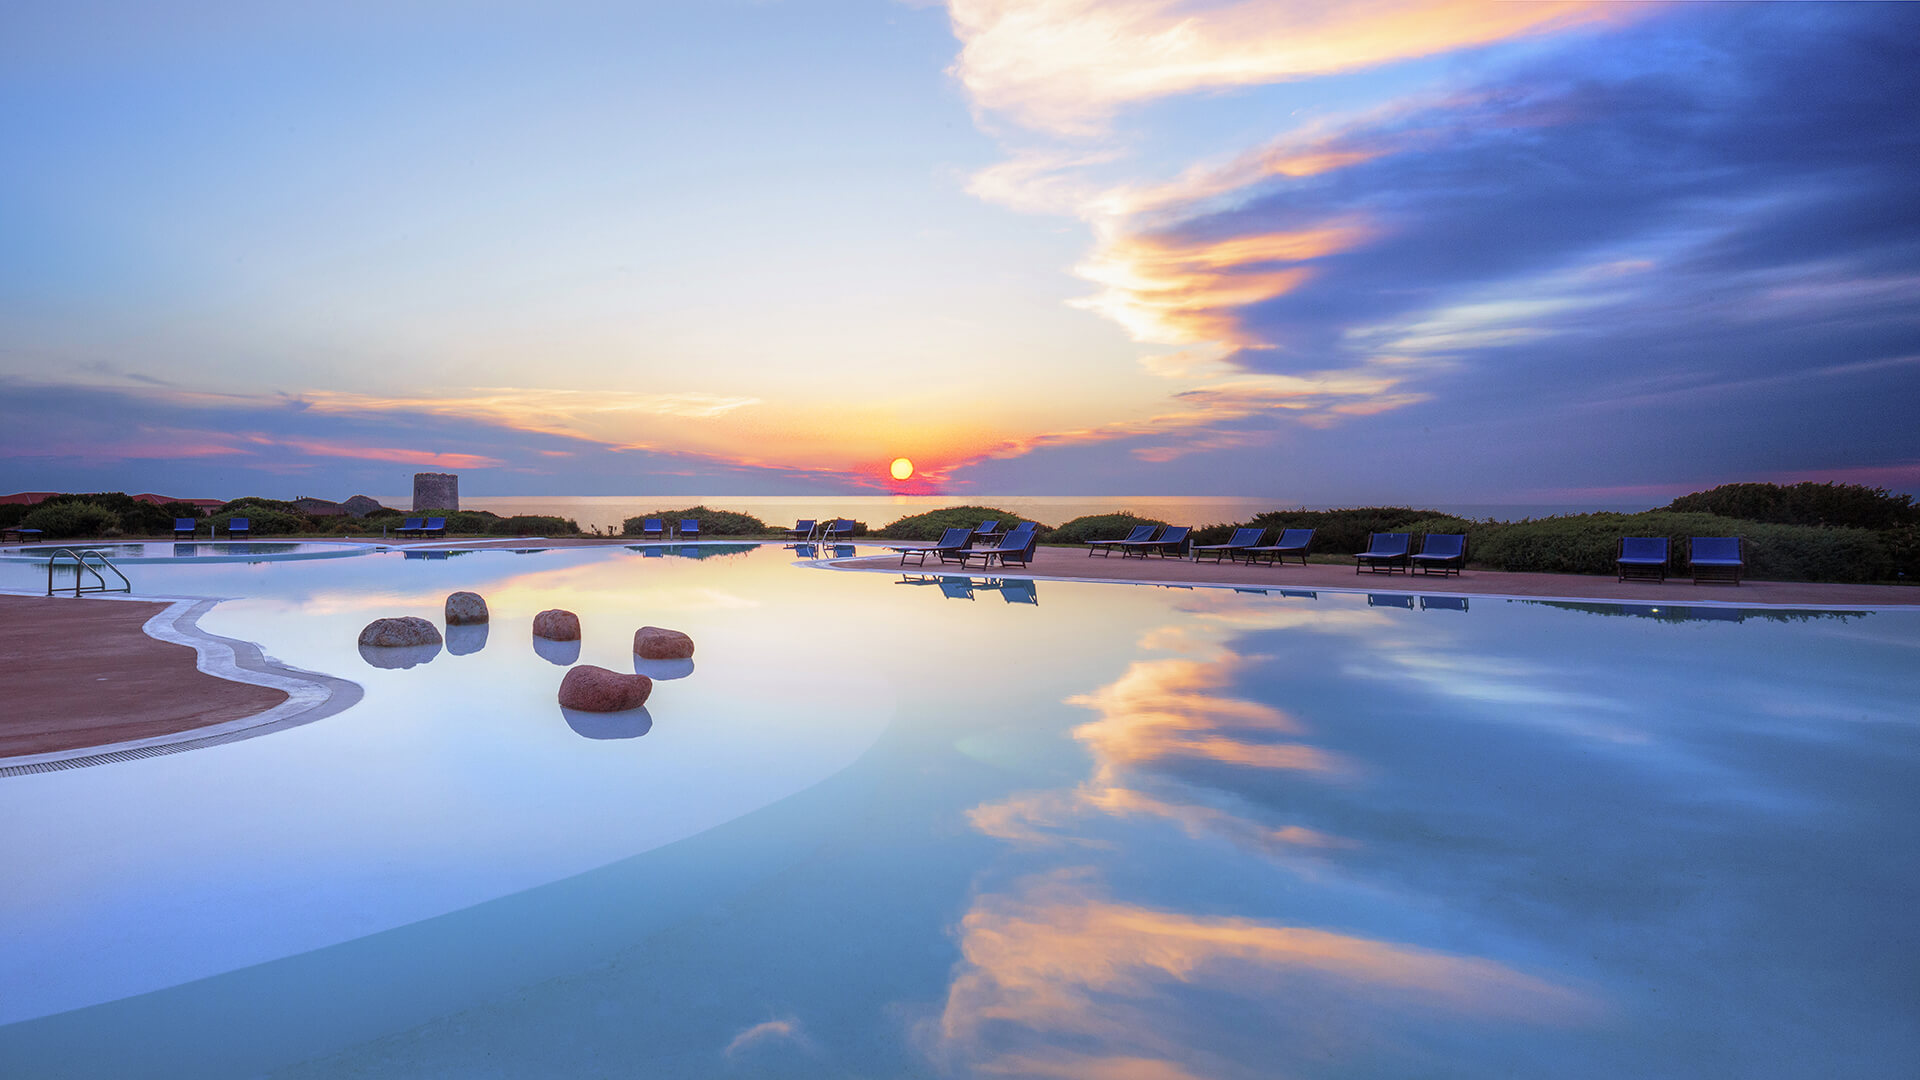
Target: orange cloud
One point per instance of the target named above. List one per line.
(322, 448)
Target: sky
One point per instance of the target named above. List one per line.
(1379, 251)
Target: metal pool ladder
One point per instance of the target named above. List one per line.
(82, 563)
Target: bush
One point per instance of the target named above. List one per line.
(536, 525)
(1588, 544)
(930, 525)
(712, 522)
(1345, 531)
(1097, 527)
(60, 520)
(1850, 505)
(254, 502)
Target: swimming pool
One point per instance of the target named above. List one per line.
(913, 824)
(160, 551)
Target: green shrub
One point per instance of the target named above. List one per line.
(136, 517)
(536, 525)
(11, 513)
(1851, 505)
(60, 520)
(930, 525)
(254, 502)
(1588, 544)
(712, 522)
(1346, 531)
(1097, 527)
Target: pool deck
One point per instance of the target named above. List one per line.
(84, 673)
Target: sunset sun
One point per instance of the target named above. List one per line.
(902, 469)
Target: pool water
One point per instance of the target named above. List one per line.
(152, 551)
(922, 824)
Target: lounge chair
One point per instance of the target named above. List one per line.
(1715, 558)
(407, 527)
(1241, 540)
(988, 531)
(239, 528)
(1642, 558)
(185, 528)
(434, 527)
(802, 529)
(841, 529)
(1291, 542)
(1105, 547)
(1015, 547)
(689, 527)
(653, 529)
(952, 542)
(1147, 544)
(1168, 544)
(1386, 552)
(1442, 553)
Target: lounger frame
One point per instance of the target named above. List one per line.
(1291, 542)
(1448, 561)
(1386, 553)
(1642, 558)
(1241, 540)
(1716, 558)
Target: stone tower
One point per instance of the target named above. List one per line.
(436, 491)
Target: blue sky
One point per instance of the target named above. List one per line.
(1416, 250)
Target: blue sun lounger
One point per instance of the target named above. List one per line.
(434, 527)
(802, 529)
(653, 529)
(988, 530)
(1241, 540)
(1386, 552)
(1642, 558)
(1715, 558)
(1442, 553)
(407, 527)
(1291, 542)
(1171, 541)
(689, 528)
(1105, 547)
(1015, 547)
(185, 528)
(841, 529)
(239, 528)
(952, 543)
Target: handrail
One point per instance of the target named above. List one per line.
(80, 563)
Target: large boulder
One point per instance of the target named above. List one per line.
(654, 643)
(557, 624)
(395, 633)
(464, 608)
(360, 506)
(595, 689)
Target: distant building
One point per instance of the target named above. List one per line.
(436, 491)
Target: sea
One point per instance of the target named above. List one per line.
(605, 513)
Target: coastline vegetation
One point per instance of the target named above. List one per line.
(1800, 532)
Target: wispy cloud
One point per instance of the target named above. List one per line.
(1067, 66)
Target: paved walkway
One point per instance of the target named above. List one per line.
(82, 672)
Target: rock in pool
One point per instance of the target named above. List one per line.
(557, 624)
(466, 607)
(653, 643)
(595, 689)
(407, 630)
